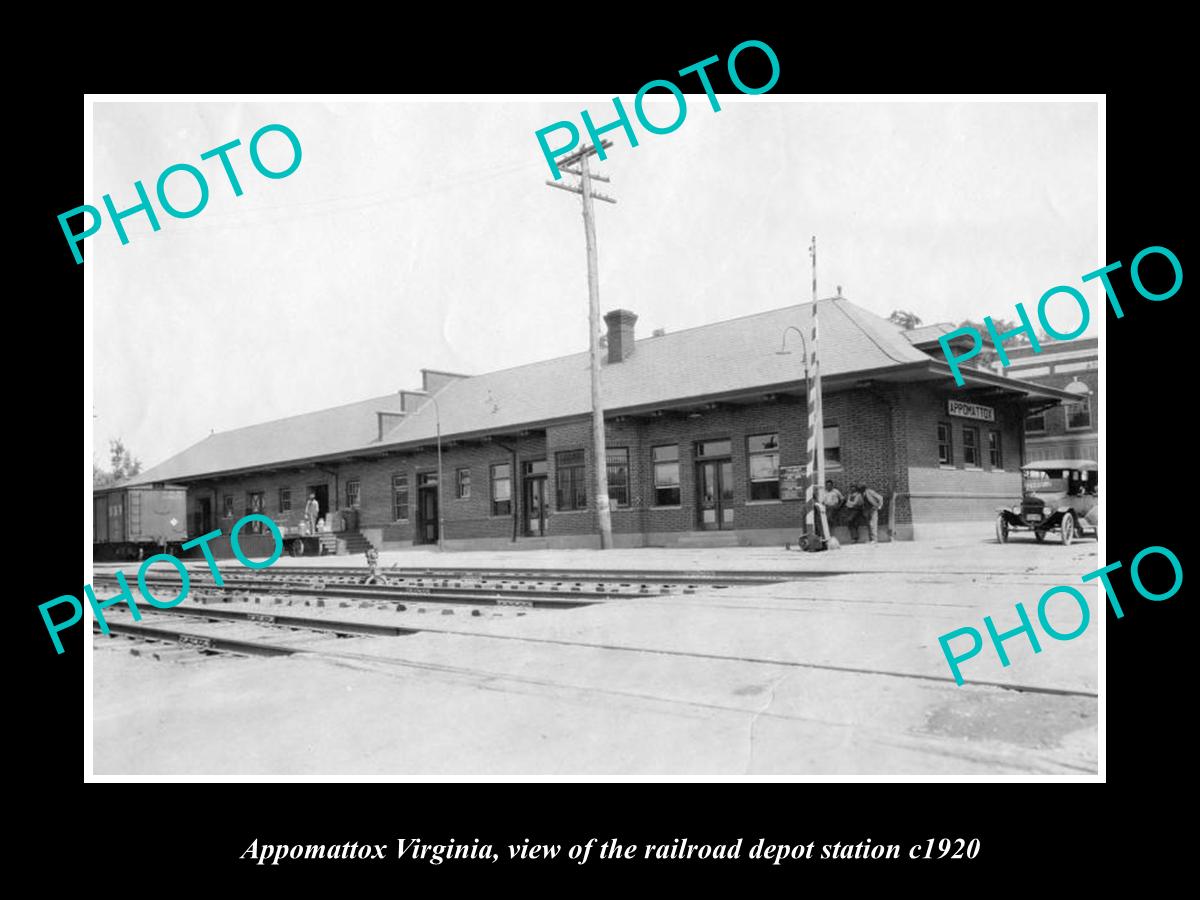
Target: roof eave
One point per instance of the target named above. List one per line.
(991, 379)
(894, 372)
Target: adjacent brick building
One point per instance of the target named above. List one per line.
(1070, 430)
(700, 425)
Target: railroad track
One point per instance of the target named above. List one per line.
(372, 593)
(567, 577)
(696, 578)
(190, 646)
(521, 589)
(243, 646)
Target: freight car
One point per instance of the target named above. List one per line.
(138, 521)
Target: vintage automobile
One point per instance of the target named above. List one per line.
(1056, 495)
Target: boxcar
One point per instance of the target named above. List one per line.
(138, 521)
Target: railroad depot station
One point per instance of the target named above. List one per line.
(700, 424)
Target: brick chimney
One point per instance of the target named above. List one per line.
(620, 324)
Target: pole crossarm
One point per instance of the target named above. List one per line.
(576, 190)
(592, 175)
(580, 154)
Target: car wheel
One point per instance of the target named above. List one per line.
(1002, 529)
(1040, 535)
(1068, 530)
(297, 547)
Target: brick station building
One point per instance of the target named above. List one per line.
(700, 425)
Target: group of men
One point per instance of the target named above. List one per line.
(860, 508)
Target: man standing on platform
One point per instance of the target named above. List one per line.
(833, 502)
(865, 503)
(312, 509)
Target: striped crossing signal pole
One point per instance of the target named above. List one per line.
(814, 492)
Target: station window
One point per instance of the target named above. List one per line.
(713, 448)
(833, 447)
(534, 468)
(971, 447)
(1035, 424)
(618, 475)
(666, 475)
(945, 448)
(229, 506)
(462, 484)
(400, 498)
(1079, 415)
(353, 494)
(285, 500)
(254, 506)
(502, 489)
(995, 456)
(763, 451)
(570, 480)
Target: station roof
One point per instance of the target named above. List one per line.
(708, 362)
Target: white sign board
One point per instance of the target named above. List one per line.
(971, 410)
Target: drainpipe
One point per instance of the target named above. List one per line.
(891, 439)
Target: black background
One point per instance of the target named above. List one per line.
(171, 830)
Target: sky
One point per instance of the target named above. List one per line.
(421, 235)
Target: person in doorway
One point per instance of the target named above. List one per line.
(312, 509)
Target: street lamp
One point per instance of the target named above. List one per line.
(438, 418)
(784, 351)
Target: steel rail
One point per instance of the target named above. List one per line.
(343, 627)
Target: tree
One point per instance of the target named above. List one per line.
(1001, 326)
(988, 357)
(905, 319)
(124, 465)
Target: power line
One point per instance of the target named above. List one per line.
(240, 220)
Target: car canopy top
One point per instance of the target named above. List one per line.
(1083, 465)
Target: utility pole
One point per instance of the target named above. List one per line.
(599, 451)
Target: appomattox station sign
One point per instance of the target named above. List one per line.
(970, 410)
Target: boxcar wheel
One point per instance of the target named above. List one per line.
(1068, 530)
(1002, 529)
